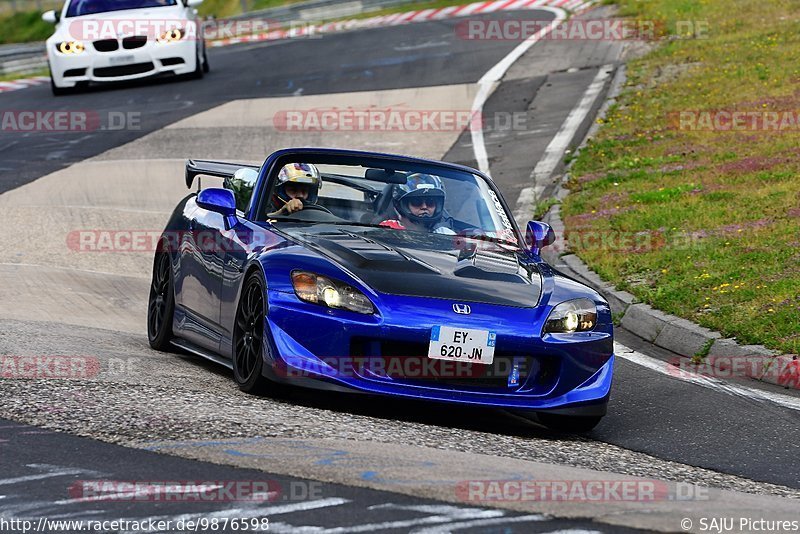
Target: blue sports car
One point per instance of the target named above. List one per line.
(379, 274)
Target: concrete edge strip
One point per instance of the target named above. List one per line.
(670, 332)
(495, 74)
(555, 151)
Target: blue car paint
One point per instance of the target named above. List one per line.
(302, 336)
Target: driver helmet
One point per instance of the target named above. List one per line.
(297, 173)
(420, 185)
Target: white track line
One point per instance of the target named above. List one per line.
(495, 74)
(442, 514)
(660, 366)
(444, 529)
(558, 145)
(243, 513)
(53, 471)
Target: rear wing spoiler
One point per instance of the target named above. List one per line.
(220, 169)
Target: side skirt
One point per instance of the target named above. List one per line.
(203, 353)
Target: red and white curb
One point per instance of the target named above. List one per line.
(423, 15)
(22, 83)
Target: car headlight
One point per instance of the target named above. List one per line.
(319, 289)
(579, 315)
(169, 36)
(70, 47)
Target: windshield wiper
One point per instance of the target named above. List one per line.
(293, 219)
(497, 240)
(352, 223)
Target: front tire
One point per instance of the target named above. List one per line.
(249, 339)
(569, 424)
(198, 65)
(161, 304)
(57, 91)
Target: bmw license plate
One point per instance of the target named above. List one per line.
(121, 60)
(462, 345)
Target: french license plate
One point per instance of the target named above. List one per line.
(462, 345)
(121, 60)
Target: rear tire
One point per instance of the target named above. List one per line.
(249, 338)
(161, 304)
(569, 424)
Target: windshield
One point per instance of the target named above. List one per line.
(440, 201)
(78, 8)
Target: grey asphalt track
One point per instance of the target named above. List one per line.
(417, 55)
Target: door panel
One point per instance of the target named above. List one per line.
(201, 277)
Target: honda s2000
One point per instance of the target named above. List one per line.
(378, 274)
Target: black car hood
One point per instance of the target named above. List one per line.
(426, 265)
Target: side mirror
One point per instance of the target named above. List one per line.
(539, 235)
(51, 16)
(193, 3)
(219, 201)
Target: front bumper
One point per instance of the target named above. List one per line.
(91, 66)
(313, 346)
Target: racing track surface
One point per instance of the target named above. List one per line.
(658, 427)
(403, 56)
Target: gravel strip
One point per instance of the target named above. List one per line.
(138, 395)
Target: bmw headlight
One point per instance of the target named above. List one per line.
(169, 36)
(70, 47)
(579, 315)
(325, 291)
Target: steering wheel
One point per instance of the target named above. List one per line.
(314, 207)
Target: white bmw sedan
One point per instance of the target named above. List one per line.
(100, 41)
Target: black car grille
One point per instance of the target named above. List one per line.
(137, 41)
(167, 62)
(106, 45)
(407, 362)
(74, 72)
(123, 70)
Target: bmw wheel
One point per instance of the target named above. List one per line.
(206, 66)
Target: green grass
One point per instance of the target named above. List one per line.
(24, 27)
(12, 77)
(227, 8)
(711, 218)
